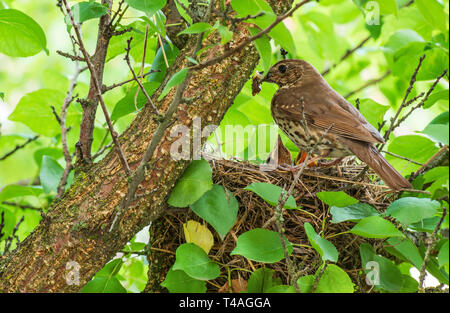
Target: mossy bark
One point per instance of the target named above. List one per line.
(76, 228)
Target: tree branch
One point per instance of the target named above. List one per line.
(18, 147)
(248, 40)
(98, 90)
(430, 246)
(368, 84)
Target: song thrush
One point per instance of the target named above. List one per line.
(305, 106)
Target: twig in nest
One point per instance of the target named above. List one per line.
(430, 246)
(279, 209)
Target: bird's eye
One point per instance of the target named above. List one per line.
(282, 68)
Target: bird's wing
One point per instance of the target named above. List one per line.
(332, 110)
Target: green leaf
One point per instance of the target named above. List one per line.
(104, 285)
(50, 174)
(411, 210)
(281, 289)
(20, 35)
(193, 260)
(280, 34)
(381, 271)
(434, 13)
(372, 111)
(435, 97)
(180, 282)
(2, 95)
(336, 198)
(85, 11)
(159, 64)
(264, 49)
(433, 267)
(14, 191)
(442, 118)
(261, 245)
(439, 177)
(283, 37)
(443, 254)
(417, 148)
(196, 29)
(175, 80)
(150, 7)
(437, 132)
(110, 269)
(375, 227)
(262, 280)
(305, 283)
(53, 152)
(253, 7)
(182, 11)
(425, 225)
(126, 105)
(225, 34)
(8, 223)
(104, 281)
(195, 181)
(352, 212)
(334, 280)
(35, 107)
(271, 193)
(219, 208)
(404, 249)
(325, 248)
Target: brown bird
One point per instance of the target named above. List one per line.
(305, 106)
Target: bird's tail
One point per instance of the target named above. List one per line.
(373, 158)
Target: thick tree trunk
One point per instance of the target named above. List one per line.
(76, 228)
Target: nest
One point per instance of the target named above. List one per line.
(254, 212)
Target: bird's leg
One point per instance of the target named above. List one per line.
(335, 163)
(300, 159)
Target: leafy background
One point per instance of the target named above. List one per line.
(33, 77)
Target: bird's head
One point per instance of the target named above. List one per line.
(290, 72)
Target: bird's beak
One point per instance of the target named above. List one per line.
(266, 78)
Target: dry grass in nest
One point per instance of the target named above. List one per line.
(254, 212)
